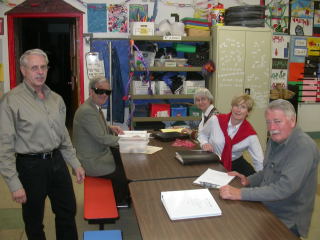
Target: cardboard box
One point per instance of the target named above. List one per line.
(162, 88)
(197, 32)
(194, 111)
(148, 58)
(178, 111)
(142, 28)
(159, 110)
(141, 88)
(190, 86)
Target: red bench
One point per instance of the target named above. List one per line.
(99, 201)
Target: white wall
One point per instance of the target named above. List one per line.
(308, 114)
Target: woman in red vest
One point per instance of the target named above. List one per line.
(229, 135)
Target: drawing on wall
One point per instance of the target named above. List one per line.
(95, 66)
(301, 26)
(279, 77)
(97, 18)
(316, 19)
(138, 12)
(302, 9)
(118, 18)
(313, 46)
(298, 49)
(277, 15)
(280, 46)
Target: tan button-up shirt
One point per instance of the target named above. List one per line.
(29, 124)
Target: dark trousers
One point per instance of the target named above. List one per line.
(119, 180)
(242, 166)
(47, 177)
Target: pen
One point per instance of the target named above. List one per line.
(209, 185)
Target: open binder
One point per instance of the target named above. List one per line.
(196, 156)
(185, 204)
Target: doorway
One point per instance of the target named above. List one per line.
(52, 35)
(60, 35)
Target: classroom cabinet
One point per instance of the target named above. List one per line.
(243, 65)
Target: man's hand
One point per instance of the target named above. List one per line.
(228, 192)
(19, 196)
(80, 174)
(117, 130)
(244, 180)
(207, 147)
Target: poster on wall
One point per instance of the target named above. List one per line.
(313, 46)
(118, 18)
(298, 49)
(301, 26)
(277, 16)
(316, 19)
(280, 46)
(97, 18)
(279, 77)
(95, 66)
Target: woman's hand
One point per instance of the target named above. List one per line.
(207, 147)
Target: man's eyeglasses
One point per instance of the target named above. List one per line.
(102, 91)
(43, 68)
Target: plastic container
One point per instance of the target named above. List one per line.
(133, 145)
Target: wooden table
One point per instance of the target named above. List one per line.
(240, 220)
(161, 165)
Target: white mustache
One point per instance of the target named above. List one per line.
(274, 132)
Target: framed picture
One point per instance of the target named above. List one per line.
(1, 26)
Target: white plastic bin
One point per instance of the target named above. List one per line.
(133, 145)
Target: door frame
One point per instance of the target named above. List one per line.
(78, 42)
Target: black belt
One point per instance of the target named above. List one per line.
(45, 155)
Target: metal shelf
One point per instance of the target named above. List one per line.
(161, 38)
(156, 119)
(167, 96)
(170, 69)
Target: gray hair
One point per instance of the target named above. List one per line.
(283, 105)
(203, 92)
(36, 51)
(95, 80)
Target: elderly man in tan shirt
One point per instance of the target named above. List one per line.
(35, 146)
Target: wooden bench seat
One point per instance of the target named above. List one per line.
(99, 201)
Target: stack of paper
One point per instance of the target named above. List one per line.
(134, 135)
(213, 179)
(186, 204)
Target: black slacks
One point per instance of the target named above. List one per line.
(47, 177)
(119, 180)
(242, 166)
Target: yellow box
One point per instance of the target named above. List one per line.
(142, 28)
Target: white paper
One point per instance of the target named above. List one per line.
(213, 177)
(185, 204)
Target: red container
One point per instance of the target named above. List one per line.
(159, 110)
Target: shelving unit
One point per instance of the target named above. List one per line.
(168, 97)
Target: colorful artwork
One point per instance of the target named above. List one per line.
(279, 76)
(277, 15)
(280, 46)
(302, 9)
(118, 18)
(97, 18)
(298, 49)
(316, 19)
(138, 12)
(301, 26)
(313, 46)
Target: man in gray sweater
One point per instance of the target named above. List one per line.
(288, 182)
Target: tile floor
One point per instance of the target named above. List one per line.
(11, 224)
